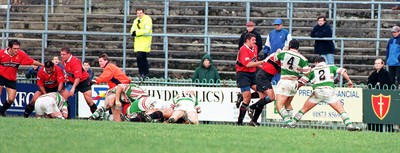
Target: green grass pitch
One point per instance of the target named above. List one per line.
(20, 135)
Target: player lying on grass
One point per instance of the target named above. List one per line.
(52, 105)
(321, 78)
(134, 103)
(185, 107)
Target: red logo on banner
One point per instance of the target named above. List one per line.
(380, 105)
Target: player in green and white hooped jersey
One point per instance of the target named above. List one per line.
(52, 105)
(293, 65)
(321, 78)
(185, 107)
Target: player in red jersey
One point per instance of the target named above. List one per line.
(77, 76)
(50, 78)
(10, 59)
(246, 66)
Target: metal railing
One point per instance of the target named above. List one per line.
(207, 37)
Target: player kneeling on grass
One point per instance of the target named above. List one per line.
(185, 107)
(52, 105)
(322, 77)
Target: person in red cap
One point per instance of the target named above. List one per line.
(250, 29)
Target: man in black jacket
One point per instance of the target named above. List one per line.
(380, 77)
(324, 48)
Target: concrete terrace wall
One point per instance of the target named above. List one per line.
(225, 18)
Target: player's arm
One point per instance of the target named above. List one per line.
(37, 63)
(76, 82)
(105, 76)
(64, 110)
(346, 76)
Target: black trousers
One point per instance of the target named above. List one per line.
(142, 63)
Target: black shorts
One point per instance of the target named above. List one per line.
(8, 83)
(82, 86)
(245, 79)
(263, 80)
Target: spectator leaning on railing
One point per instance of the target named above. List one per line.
(379, 78)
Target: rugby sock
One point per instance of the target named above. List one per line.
(28, 110)
(6, 105)
(298, 116)
(242, 112)
(255, 95)
(346, 119)
(156, 115)
(93, 108)
(257, 113)
(107, 117)
(261, 102)
(285, 115)
(98, 113)
(290, 113)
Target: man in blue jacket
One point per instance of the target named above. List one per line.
(392, 55)
(278, 38)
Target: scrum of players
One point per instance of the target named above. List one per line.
(135, 105)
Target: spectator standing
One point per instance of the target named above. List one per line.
(86, 66)
(56, 61)
(246, 63)
(77, 76)
(10, 59)
(324, 48)
(206, 72)
(142, 26)
(379, 78)
(250, 28)
(393, 54)
(278, 38)
(50, 78)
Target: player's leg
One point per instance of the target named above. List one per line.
(175, 116)
(288, 106)
(337, 106)
(89, 100)
(116, 112)
(11, 92)
(308, 105)
(108, 103)
(193, 117)
(30, 107)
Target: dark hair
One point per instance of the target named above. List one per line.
(66, 49)
(249, 36)
(48, 64)
(86, 61)
(104, 56)
(13, 42)
(323, 17)
(294, 44)
(319, 59)
(140, 9)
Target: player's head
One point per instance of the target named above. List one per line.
(103, 60)
(319, 59)
(294, 44)
(65, 53)
(14, 47)
(49, 67)
(250, 40)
